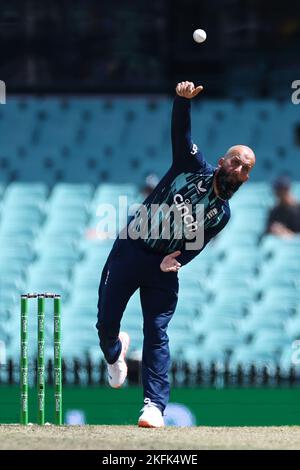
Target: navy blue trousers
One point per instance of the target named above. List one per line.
(129, 267)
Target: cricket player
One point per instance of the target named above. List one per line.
(151, 264)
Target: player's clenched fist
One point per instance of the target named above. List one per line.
(187, 89)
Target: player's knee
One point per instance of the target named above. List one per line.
(156, 335)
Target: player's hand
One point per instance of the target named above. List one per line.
(188, 90)
(170, 264)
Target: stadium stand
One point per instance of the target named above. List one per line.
(90, 151)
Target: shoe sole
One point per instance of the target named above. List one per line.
(124, 355)
(119, 386)
(145, 424)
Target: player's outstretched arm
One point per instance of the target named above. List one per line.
(181, 122)
(188, 89)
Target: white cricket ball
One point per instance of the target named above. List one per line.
(199, 35)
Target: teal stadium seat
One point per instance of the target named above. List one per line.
(230, 281)
(18, 191)
(283, 294)
(214, 320)
(292, 326)
(273, 278)
(225, 340)
(246, 356)
(270, 339)
(240, 297)
(236, 286)
(196, 353)
(289, 360)
(255, 322)
(276, 246)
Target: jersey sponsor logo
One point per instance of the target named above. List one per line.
(199, 187)
(212, 213)
(183, 207)
(194, 149)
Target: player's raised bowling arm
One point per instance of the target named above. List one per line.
(181, 121)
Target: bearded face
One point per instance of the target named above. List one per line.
(233, 170)
(227, 183)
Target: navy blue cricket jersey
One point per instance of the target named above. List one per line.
(190, 178)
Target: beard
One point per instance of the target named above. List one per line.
(225, 184)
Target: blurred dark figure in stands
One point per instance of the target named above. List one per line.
(284, 218)
(151, 182)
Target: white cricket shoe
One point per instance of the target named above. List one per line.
(151, 416)
(117, 372)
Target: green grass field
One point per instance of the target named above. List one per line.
(132, 438)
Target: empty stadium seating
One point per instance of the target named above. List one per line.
(239, 300)
(120, 139)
